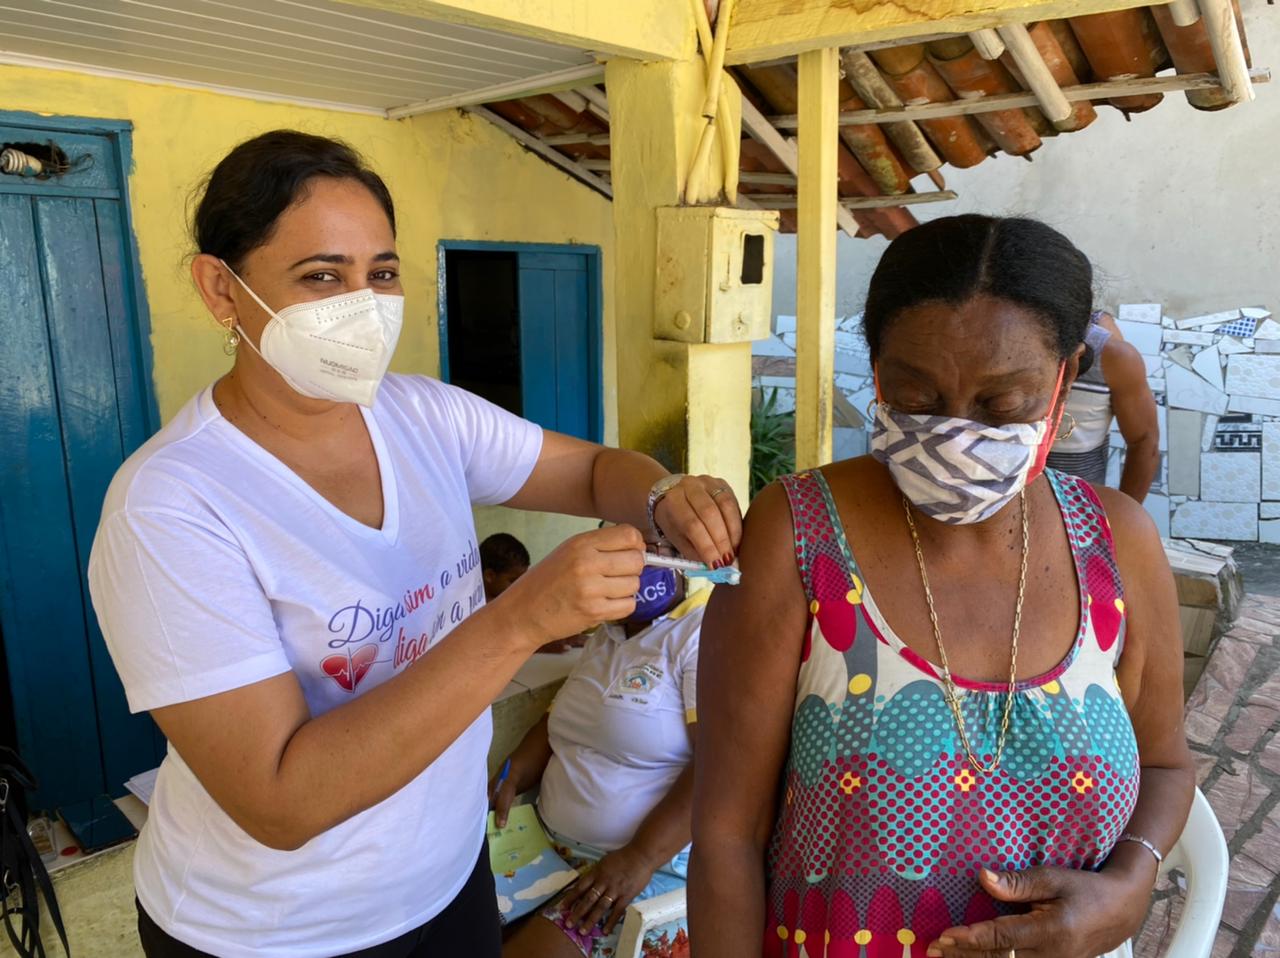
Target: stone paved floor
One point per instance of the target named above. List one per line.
(1233, 726)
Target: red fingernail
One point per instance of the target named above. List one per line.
(728, 558)
(717, 564)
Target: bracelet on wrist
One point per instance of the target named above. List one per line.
(1139, 840)
(657, 493)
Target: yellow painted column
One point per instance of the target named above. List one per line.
(688, 405)
(816, 254)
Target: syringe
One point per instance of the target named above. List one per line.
(726, 575)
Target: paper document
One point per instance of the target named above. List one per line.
(143, 785)
(526, 869)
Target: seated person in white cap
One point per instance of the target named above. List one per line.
(614, 756)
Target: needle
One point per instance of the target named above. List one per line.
(727, 575)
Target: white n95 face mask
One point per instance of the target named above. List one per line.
(337, 348)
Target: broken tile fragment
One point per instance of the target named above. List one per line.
(1157, 507)
(1140, 312)
(1208, 363)
(1267, 329)
(1192, 337)
(1231, 476)
(1255, 312)
(1209, 431)
(1216, 520)
(1241, 327)
(1209, 319)
(1271, 460)
(1184, 432)
(1145, 337)
(1230, 346)
(1254, 404)
(1254, 376)
(1189, 391)
(772, 346)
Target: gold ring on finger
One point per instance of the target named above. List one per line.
(720, 491)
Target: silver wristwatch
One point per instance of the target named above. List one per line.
(656, 493)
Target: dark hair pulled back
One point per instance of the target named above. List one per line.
(953, 259)
(261, 178)
(502, 552)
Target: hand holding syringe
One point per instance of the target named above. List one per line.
(726, 575)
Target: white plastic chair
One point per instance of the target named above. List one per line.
(643, 916)
(1201, 855)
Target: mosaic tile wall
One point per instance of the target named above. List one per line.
(1216, 379)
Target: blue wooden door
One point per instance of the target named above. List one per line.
(73, 404)
(559, 345)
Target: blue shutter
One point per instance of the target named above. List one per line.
(73, 404)
(559, 342)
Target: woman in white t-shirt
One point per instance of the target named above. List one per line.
(288, 581)
(614, 759)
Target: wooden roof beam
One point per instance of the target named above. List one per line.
(1007, 101)
(784, 148)
(510, 90)
(790, 201)
(767, 29)
(537, 145)
(1228, 51)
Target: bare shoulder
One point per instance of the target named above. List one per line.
(859, 482)
(1139, 551)
(1121, 362)
(767, 553)
(771, 589)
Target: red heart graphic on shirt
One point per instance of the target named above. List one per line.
(347, 668)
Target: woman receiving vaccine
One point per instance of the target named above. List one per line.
(287, 579)
(942, 716)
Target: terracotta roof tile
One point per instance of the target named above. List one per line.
(881, 159)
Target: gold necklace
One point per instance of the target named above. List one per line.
(949, 685)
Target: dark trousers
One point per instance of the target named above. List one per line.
(467, 928)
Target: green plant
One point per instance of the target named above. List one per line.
(773, 444)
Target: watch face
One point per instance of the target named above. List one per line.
(667, 483)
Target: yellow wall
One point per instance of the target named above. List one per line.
(452, 176)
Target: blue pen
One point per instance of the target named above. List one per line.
(502, 777)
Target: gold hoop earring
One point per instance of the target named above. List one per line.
(1070, 429)
(231, 338)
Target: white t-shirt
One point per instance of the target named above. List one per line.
(215, 566)
(619, 728)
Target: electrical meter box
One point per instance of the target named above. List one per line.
(714, 274)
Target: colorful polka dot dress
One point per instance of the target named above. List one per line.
(883, 823)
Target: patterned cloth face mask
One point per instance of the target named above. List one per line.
(957, 470)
